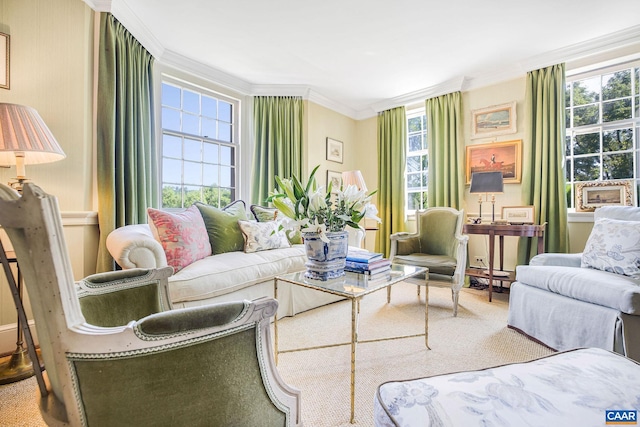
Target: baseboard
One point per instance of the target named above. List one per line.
(9, 336)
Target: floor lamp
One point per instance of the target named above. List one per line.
(24, 139)
(487, 183)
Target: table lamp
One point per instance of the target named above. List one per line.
(485, 183)
(354, 178)
(24, 140)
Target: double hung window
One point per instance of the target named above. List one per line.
(199, 146)
(603, 127)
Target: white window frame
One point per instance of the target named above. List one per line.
(600, 127)
(412, 113)
(235, 136)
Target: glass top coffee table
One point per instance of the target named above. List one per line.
(354, 286)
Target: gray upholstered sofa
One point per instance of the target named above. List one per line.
(590, 299)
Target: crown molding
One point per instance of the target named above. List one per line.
(451, 85)
(280, 90)
(338, 107)
(134, 24)
(207, 72)
(99, 5)
(589, 48)
(594, 49)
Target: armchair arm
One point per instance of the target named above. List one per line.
(133, 246)
(193, 318)
(566, 260)
(117, 297)
(404, 243)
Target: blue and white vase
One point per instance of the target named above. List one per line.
(326, 261)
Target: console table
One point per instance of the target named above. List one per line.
(493, 230)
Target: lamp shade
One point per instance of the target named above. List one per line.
(24, 134)
(354, 178)
(486, 182)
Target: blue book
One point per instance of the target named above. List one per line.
(366, 266)
(362, 256)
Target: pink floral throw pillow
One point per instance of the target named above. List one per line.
(183, 236)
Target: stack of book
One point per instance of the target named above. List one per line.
(365, 262)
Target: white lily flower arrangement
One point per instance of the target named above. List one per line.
(310, 208)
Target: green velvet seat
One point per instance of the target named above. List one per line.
(115, 354)
(438, 245)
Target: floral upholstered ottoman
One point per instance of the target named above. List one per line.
(572, 388)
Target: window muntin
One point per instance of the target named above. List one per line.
(603, 127)
(416, 175)
(199, 147)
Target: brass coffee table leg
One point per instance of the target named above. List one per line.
(426, 315)
(354, 341)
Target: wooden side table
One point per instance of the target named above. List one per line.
(493, 230)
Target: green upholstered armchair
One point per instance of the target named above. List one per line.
(437, 244)
(114, 355)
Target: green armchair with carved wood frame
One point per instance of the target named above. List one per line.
(437, 244)
(116, 354)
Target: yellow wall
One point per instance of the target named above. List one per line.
(51, 57)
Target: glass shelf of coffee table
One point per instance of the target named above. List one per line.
(354, 286)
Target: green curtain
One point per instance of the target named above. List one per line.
(126, 151)
(278, 137)
(392, 141)
(446, 151)
(543, 177)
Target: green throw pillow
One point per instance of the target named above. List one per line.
(222, 226)
(264, 214)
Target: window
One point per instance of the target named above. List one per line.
(199, 146)
(417, 161)
(603, 127)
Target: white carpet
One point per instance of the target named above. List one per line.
(476, 339)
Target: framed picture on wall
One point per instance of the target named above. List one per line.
(496, 156)
(494, 120)
(335, 179)
(595, 194)
(334, 150)
(4, 61)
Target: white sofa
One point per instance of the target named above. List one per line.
(223, 277)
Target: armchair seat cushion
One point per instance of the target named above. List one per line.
(611, 290)
(437, 264)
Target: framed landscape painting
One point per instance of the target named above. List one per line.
(496, 156)
(595, 194)
(494, 120)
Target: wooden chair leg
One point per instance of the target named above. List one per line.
(454, 297)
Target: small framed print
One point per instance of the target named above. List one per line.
(518, 214)
(595, 194)
(334, 150)
(4, 61)
(335, 179)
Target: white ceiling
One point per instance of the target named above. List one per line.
(366, 55)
